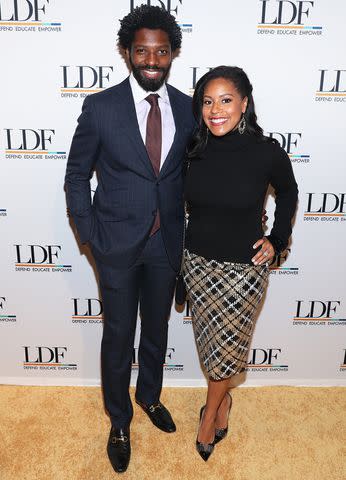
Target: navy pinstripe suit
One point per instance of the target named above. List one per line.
(133, 267)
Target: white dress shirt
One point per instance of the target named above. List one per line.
(142, 111)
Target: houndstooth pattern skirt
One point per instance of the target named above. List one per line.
(223, 299)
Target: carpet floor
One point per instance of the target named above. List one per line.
(276, 433)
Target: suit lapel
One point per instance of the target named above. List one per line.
(128, 126)
(129, 123)
(178, 115)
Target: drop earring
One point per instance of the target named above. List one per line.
(242, 125)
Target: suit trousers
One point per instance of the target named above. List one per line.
(149, 284)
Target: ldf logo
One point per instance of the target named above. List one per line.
(169, 352)
(92, 307)
(168, 358)
(2, 301)
(280, 258)
(325, 204)
(85, 76)
(37, 254)
(285, 12)
(261, 356)
(5, 318)
(343, 364)
(287, 140)
(27, 139)
(22, 10)
(333, 79)
(196, 75)
(316, 309)
(45, 355)
(167, 5)
(317, 312)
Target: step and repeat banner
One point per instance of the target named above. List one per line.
(56, 52)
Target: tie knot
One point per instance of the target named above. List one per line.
(153, 99)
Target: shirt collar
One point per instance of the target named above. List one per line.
(140, 94)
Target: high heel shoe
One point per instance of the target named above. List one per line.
(204, 449)
(220, 433)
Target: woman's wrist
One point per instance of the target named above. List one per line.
(278, 245)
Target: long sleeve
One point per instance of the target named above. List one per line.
(82, 158)
(286, 195)
(226, 188)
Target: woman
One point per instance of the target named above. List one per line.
(231, 164)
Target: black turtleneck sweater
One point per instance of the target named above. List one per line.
(225, 190)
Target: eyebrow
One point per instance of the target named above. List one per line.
(223, 95)
(163, 45)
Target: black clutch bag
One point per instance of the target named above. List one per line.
(180, 290)
(180, 287)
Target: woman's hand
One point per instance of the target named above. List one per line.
(266, 254)
(264, 217)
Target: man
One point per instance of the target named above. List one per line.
(134, 135)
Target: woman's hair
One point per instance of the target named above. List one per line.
(147, 16)
(243, 86)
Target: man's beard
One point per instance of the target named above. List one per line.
(149, 84)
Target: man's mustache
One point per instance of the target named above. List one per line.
(150, 67)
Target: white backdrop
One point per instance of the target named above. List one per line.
(53, 54)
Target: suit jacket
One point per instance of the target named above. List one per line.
(118, 221)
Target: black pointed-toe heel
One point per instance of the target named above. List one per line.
(204, 449)
(221, 433)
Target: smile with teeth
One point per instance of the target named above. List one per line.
(151, 73)
(218, 121)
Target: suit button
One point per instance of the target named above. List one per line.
(157, 184)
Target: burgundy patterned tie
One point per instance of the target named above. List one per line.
(153, 142)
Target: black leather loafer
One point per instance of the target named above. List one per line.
(160, 416)
(119, 448)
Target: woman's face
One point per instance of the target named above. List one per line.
(222, 106)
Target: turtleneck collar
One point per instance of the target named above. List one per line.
(231, 141)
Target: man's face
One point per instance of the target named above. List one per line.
(150, 58)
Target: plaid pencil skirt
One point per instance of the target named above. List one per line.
(223, 300)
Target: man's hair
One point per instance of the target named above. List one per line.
(147, 16)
